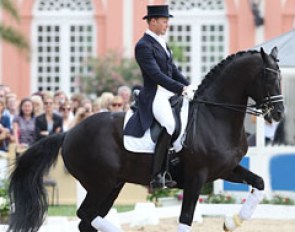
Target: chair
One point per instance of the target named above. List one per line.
(51, 183)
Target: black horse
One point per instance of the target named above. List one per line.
(94, 154)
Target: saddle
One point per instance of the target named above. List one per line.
(176, 103)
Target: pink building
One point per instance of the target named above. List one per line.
(63, 33)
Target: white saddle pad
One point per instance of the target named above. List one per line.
(145, 144)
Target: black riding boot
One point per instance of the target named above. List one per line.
(160, 177)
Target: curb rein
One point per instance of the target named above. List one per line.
(266, 105)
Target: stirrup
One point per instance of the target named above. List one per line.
(163, 181)
(168, 181)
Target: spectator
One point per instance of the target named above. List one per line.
(49, 122)
(125, 92)
(87, 104)
(117, 104)
(80, 115)
(106, 101)
(5, 88)
(5, 127)
(76, 101)
(11, 106)
(24, 125)
(60, 97)
(67, 115)
(37, 105)
(96, 105)
(269, 132)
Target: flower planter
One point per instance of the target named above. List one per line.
(168, 201)
(4, 220)
(265, 211)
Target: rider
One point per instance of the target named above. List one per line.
(161, 80)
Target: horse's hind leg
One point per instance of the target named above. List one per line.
(84, 213)
(96, 206)
(242, 175)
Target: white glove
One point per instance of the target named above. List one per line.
(189, 92)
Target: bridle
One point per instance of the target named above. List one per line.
(261, 108)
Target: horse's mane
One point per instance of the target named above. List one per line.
(210, 76)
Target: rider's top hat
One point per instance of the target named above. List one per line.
(157, 11)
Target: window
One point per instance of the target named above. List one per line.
(65, 39)
(199, 28)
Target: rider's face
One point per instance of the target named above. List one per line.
(160, 25)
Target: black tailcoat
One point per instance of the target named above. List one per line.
(157, 69)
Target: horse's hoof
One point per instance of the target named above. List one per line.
(225, 228)
(231, 223)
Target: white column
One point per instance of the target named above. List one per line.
(34, 58)
(259, 38)
(65, 56)
(128, 28)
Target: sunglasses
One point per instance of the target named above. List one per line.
(48, 103)
(117, 104)
(65, 109)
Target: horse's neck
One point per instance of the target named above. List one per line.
(231, 82)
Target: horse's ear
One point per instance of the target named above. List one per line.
(274, 53)
(263, 54)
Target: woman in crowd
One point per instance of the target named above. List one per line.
(11, 106)
(125, 92)
(76, 101)
(67, 115)
(96, 105)
(24, 125)
(5, 127)
(106, 99)
(38, 105)
(49, 122)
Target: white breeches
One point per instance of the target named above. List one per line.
(162, 109)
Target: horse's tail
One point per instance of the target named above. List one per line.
(27, 193)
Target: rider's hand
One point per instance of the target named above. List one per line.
(189, 92)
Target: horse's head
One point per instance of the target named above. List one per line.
(268, 96)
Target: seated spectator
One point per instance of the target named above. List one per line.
(80, 115)
(117, 104)
(96, 105)
(49, 122)
(106, 101)
(125, 92)
(87, 104)
(59, 97)
(76, 101)
(67, 115)
(5, 127)
(24, 125)
(37, 105)
(11, 106)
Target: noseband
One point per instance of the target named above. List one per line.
(266, 104)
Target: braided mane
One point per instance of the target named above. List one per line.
(209, 78)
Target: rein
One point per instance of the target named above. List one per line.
(266, 105)
(234, 107)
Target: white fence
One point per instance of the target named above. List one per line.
(275, 164)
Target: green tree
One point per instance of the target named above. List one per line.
(8, 33)
(108, 73)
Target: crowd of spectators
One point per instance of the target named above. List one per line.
(25, 121)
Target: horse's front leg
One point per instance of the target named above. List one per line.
(242, 175)
(191, 192)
